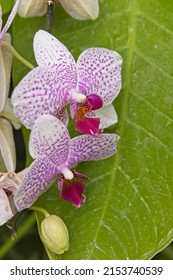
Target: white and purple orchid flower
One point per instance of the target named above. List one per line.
(90, 85)
(9, 183)
(7, 145)
(78, 9)
(55, 153)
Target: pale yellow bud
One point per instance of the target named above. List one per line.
(54, 234)
(81, 9)
(32, 8)
(5, 70)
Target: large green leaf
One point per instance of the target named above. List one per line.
(128, 212)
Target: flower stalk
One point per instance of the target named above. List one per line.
(39, 209)
(49, 15)
(10, 117)
(17, 55)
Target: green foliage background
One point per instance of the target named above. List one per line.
(128, 213)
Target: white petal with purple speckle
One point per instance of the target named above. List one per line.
(88, 147)
(39, 176)
(50, 52)
(99, 72)
(50, 137)
(39, 92)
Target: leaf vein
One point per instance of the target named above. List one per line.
(156, 23)
(151, 62)
(150, 104)
(138, 126)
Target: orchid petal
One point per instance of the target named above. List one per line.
(22, 174)
(8, 182)
(99, 72)
(50, 137)
(36, 181)
(5, 71)
(88, 147)
(5, 209)
(9, 20)
(52, 53)
(73, 109)
(81, 9)
(7, 145)
(32, 8)
(39, 92)
(106, 114)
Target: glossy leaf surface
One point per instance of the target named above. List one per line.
(128, 211)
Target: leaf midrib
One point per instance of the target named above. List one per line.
(130, 51)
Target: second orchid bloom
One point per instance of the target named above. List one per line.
(55, 153)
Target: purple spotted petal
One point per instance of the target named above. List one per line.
(50, 137)
(39, 176)
(5, 208)
(99, 72)
(88, 125)
(72, 191)
(88, 147)
(52, 53)
(39, 92)
(106, 114)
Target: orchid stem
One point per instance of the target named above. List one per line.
(13, 224)
(39, 209)
(49, 15)
(10, 117)
(23, 229)
(17, 55)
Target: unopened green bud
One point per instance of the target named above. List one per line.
(54, 234)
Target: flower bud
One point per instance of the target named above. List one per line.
(5, 70)
(81, 9)
(54, 234)
(32, 8)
